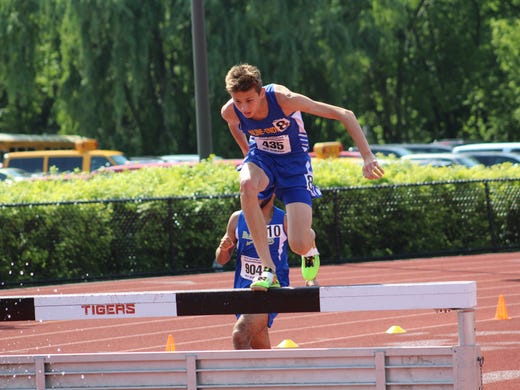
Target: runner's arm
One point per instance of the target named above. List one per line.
(228, 241)
(291, 102)
(231, 118)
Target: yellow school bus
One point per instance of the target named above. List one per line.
(33, 142)
(60, 161)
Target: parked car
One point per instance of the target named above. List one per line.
(180, 158)
(342, 154)
(440, 159)
(426, 148)
(134, 166)
(13, 174)
(507, 147)
(144, 159)
(386, 150)
(452, 142)
(493, 158)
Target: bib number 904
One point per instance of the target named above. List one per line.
(253, 270)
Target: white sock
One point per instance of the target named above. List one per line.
(313, 251)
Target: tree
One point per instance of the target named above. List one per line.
(122, 70)
(494, 102)
(126, 74)
(26, 61)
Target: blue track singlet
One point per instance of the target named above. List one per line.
(248, 265)
(278, 144)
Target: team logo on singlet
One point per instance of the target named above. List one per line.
(282, 124)
(279, 125)
(249, 240)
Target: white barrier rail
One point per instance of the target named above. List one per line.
(456, 367)
(367, 297)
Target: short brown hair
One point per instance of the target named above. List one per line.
(243, 77)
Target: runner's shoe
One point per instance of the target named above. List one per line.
(265, 281)
(312, 283)
(310, 267)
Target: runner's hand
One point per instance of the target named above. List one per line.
(371, 169)
(226, 244)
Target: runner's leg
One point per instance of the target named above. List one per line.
(252, 181)
(251, 331)
(302, 239)
(299, 222)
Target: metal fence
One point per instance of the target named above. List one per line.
(85, 240)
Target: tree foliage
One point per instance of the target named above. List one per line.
(122, 70)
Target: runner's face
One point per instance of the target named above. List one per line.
(247, 102)
(264, 202)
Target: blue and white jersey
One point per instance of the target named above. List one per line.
(279, 145)
(248, 265)
(277, 134)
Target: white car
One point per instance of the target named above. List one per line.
(180, 158)
(493, 158)
(192, 158)
(13, 174)
(386, 150)
(508, 147)
(440, 159)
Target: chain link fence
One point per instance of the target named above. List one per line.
(89, 240)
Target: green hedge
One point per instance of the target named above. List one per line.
(169, 220)
(214, 178)
(54, 242)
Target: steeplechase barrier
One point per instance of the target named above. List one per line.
(383, 368)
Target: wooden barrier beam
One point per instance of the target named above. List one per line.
(368, 297)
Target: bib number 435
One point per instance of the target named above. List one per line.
(275, 145)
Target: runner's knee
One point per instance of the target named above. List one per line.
(241, 340)
(248, 190)
(300, 245)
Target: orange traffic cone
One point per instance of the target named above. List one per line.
(170, 344)
(501, 313)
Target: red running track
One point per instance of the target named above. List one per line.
(495, 274)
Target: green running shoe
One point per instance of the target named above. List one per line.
(265, 281)
(310, 267)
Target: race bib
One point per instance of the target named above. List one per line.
(251, 267)
(275, 145)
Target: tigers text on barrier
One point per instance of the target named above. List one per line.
(369, 297)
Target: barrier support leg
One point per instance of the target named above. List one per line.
(466, 319)
(191, 371)
(39, 372)
(467, 361)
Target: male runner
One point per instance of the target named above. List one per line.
(276, 156)
(251, 330)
